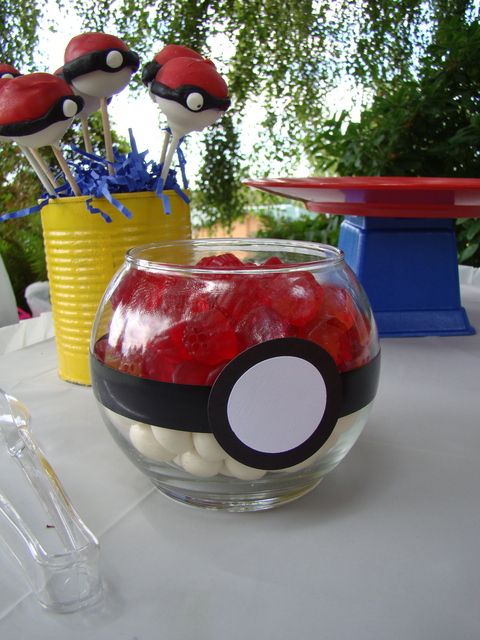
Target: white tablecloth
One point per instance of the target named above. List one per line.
(387, 547)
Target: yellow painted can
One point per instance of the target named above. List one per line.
(83, 253)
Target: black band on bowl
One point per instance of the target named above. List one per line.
(185, 407)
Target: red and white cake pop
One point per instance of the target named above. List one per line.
(91, 104)
(37, 109)
(98, 64)
(7, 71)
(4, 78)
(189, 91)
(169, 52)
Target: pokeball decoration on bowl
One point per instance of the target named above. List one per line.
(264, 360)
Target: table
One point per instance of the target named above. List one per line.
(385, 547)
(398, 236)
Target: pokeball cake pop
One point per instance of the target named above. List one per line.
(28, 153)
(151, 69)
(91, 104)
(36, 110)
(99, 65)
(8, 71)
(191, 94)
(169, 52)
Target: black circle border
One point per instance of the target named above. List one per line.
(220, 393)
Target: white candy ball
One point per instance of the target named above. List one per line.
(176, 441)
(197, 466)
(207, 447)
(225, 472)
(142, 439)
(122, 423)
(241, 471)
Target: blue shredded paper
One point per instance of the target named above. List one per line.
(131, 173)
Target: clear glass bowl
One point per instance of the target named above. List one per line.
(235, 373)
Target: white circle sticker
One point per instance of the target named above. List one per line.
(277, 404)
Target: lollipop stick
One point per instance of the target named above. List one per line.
(166, 138)
(40, 175)
(169, 157)
(66, 170)
(44, 166)
(86, 135)
(107, 134)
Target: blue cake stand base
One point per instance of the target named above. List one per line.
(409, 270)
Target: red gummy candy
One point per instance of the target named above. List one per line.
(190, 372)
(222, 261)
(125, 288)
(237, 296)
(158, 366)
(139, 290)
(132, 362)
(185, 330)
(208, 337)
(184, 297)
(331, 336)
(337, 303)
(100, 349)
(262, 324)
(273, 261)
(295, 296)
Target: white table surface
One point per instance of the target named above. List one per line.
(386, 547)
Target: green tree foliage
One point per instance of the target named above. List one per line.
(312, 228)
(19, 31)
(427, 125)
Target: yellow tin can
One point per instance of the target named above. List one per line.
(83, 252)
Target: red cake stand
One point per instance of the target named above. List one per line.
(398, 236)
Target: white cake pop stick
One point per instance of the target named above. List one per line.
(45, 168)
(166, 140)
(38, 170)
(66, 170)
(107, 134)
(172, 147)
(86, 135)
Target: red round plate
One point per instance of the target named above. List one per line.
(385, 197)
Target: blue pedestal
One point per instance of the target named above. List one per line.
(409, 269)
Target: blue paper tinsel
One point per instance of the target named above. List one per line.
(131, 173)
